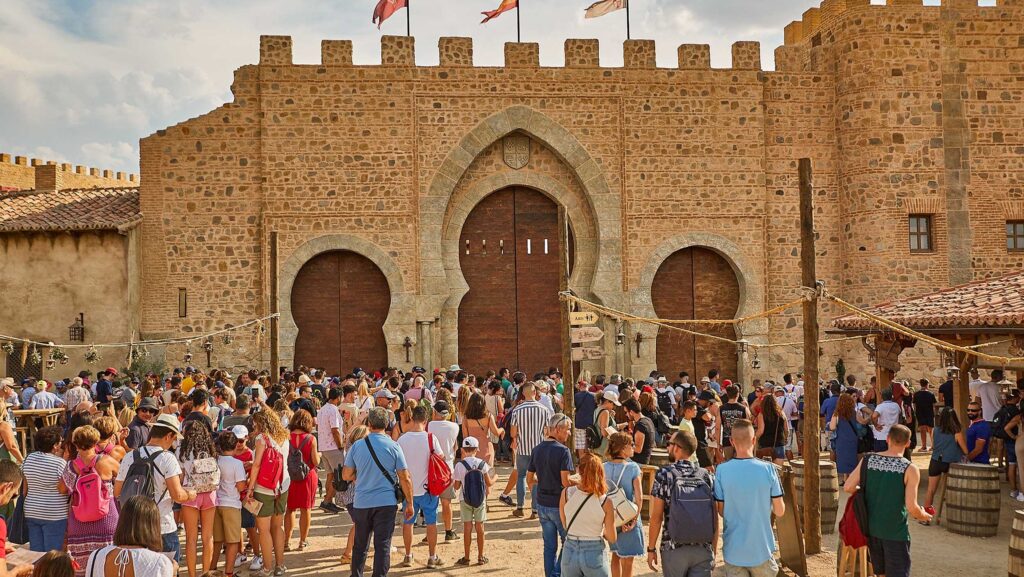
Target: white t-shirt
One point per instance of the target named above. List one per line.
(545, 399)
(990, 401)
(447, 434)
(413, 444)
(327, 418)
(790, 410)
(888, 415)
(166, 467)
(232, 472)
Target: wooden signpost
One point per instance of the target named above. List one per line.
(583, 318)
(580, 335)
(587, 353)
(812, 474)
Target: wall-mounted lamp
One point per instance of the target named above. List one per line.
(620, 336)
(638, 340)
(407, 343)
(76, 332)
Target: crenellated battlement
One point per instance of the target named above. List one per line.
(457, 52)
(104, 177)
(816, 19)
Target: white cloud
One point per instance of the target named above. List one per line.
(85, 80)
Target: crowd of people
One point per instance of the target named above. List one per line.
(216, 472)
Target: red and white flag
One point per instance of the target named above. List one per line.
(604, 7)
(384, 10)
(505, 6)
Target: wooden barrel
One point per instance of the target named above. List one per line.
(1015, 565)
(647, 473)
(972, 500)
(828, 489)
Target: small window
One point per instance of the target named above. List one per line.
(1015, 235)
(921, 233)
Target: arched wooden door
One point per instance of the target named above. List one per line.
(509, 253)
(696, 283)
(340, 301)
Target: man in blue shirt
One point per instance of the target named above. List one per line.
(585, 404)
(548, 473)
(748, 492)
(375, 503)
(979, 435)
(828, 406)
(104, 387)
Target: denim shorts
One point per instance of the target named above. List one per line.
(426, 503)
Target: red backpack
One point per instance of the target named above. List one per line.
(439, 474)
(271, 467)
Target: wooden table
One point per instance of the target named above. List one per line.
(659, 457)
(27, 419)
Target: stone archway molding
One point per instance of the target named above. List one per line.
(747, 275)
(401, 320)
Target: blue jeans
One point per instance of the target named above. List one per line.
(172, 544)
(585, 559)
(380, 521)
(522, 464)
(46, 536)
(551, 528)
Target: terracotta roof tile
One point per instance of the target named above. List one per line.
(991, 303)
(69, 210)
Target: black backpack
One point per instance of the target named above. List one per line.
(664, 401)
(594, 437)
(1003, 417)
(298, 470)
(139, 479)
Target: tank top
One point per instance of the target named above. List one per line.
(774, 431)
(945, 449)
(589, 523)
(886, 496)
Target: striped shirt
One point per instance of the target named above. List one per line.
(43, 502)
(530, 418)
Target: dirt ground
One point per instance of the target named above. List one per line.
(514, 548)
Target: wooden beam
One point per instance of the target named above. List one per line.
(568, 379)
(812, 471)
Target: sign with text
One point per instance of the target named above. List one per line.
(586, 334)
(587, 354)
(583, 318)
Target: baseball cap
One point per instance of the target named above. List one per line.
(149, 403)
(303, 379)
(612, 396)
(111, 371)
(470, 443)
(706, 396)
(135, 380)
(358, 371)
(240, 432)
(168, 422)
(441, 408)
(83, 374)
(383, 394)
(726, 383)
(418, 369)
(647, 389)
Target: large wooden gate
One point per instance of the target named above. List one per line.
(340, 301)
(509, 253)
(696, 283)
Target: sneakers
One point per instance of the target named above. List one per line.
(329, 507)
(434, 562)
(1014, 493)
(1020, 496)
(517, 513)
(257, 563)
(450, 536)
(280, 571)
(407, 561)
(533, 516)
(242, 559)
(507, 500)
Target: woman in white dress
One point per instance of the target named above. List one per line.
(137, 542)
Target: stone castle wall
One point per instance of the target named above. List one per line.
(18, 173)
(902, 109)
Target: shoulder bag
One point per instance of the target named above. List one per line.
(399, 493)
(625, 510)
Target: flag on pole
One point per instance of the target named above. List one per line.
(603, 7)
(505, 6)
(384, 10)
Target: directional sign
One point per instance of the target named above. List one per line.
(586, 334)
(587, 354)
(584, 318)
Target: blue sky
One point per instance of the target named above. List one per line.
(83, 80)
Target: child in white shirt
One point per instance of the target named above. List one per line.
(472, 515)
(227, 526)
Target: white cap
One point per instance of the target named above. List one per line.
(240, 431)
(612, 396)
(470, 443)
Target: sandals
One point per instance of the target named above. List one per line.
(346, 559)
(463, 562)
(288, 547)
(482, 561)
(302, 545)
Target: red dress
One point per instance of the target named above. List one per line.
(302, 494)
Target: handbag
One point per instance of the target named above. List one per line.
(853, 526)
(399, 493)
(17, 525)
(625, 510)
(205, 474)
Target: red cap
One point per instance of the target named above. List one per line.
(112, 371)
(647, 389)
(726, 383)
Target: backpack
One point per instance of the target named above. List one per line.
(90, 500)
(1005, 414)
(691, 513)
(662, 424)
(665, 401)
(205, 474)
(439, 474)
(271, 467)
(474, 486)
(298, 470)
(139, 479)
(594, 437)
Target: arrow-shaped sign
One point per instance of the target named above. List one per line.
(587, 354)
(583, 318)
(586, 334)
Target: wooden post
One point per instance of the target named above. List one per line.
(275, 325)
(568, 380)
(812, 472)
(961, 386)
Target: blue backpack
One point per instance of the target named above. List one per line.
(474, 486)
(691, 512)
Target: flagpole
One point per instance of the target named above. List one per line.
(627, 20)
(408, 17)
(519, 37)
